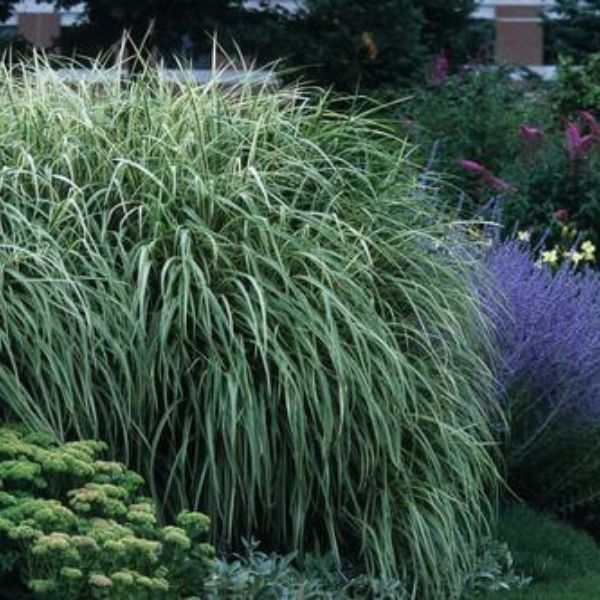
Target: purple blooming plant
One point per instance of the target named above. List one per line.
(548, 328)
(548, 324)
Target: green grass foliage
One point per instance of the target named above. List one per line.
(244, 293)
(73, 526)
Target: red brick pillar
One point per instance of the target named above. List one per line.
(40, 29)
(519, 35)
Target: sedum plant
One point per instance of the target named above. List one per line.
(238, 288)
(73, 526)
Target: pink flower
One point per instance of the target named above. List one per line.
(562, 214)
(577, 144)
(589, 118)
(440, 70)
(531, 135)
(486, 176)
(499, 184)
(471, 165)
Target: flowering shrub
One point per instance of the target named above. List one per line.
(451, 115)
(557, 178)
(547, 168)
(548, 323)
(569, 248)
(552, 312)
(73, 526)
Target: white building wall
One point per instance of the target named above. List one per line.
(486, 9)
(68, 17)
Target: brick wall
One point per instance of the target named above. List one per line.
(519, 35)
(41, 29)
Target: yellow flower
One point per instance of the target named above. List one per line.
(575, 256)
(524, 236)
(589, 250)
(550, 256)
(474, 232)
(369, 44)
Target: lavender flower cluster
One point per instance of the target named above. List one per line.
(548, 324)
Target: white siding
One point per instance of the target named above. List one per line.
(486, 9)
(291, 5)
(68, 17)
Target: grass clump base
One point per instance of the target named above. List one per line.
(245, 294)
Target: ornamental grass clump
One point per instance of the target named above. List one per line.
(73, 526)
(236, 288)
(548, 323)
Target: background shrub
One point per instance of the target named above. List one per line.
(557, 183)
(447, 125)
(452, 115)
(73, 526)
(345, 43)
(517, 149)
(353, 44)
(577, 86)
(244, 293)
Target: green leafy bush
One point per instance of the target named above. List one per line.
(255, 575)
(450, 119)
(553, 463)
(577, 86)
(73, 526)
(245, 293)
(345, 43)
(554, 175)
(495, 571)
(556, 184)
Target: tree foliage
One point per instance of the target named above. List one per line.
(576, 31)
(338, 42)
(351, 42)
(166, 24)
